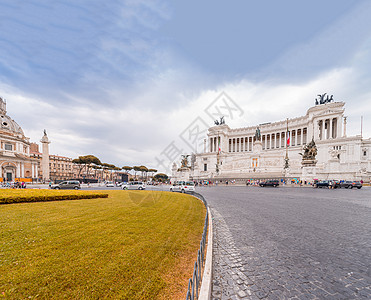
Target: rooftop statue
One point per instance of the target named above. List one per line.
(220, 122)
(322, 100)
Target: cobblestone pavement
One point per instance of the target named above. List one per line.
(290, 243)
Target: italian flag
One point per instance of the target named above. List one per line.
(288, 138)
(219, 145)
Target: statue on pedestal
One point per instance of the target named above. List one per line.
(309, 155)
(184, 161)
(257, 134)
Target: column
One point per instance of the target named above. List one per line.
(45, 157)
(323, 130)
(248, 143)
(211, 144)
(22, 170)
(345, 127)
(301, 136)
(279, 140)
(33, 171)
(330, 128)
(334, 128)
(18, 171)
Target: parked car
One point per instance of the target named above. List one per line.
(183, 187)
(350, 184)
(134, 185)
(273, 183)
(67, 185)
(328, 184)
(110, 184)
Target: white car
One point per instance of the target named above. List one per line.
(183, 187)
(110, 184)
(134, 185)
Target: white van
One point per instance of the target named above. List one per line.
(134, 185)
(183, 187)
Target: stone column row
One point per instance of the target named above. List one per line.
(332, 130)
(240, 144)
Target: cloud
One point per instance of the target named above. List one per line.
(108, 85)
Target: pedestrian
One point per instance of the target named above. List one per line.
(50, 184)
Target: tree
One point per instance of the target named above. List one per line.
(143, 169)
(110, 167)
(152, 171)
(161, 177)
(127, 168)
(136, 169)
(86, 162)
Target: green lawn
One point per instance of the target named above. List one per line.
(132, 245)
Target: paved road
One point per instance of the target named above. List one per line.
(290, 243)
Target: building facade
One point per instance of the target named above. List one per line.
(16, 164)
(239, 154)
(60, 167)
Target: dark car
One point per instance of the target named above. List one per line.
(328, 184)
(67, 185)
(273, 183)
(351, 184)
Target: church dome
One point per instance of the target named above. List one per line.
(6, 122)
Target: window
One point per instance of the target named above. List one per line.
(205, 167)
(8, 147)
(364, 153)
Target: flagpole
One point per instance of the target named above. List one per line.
(217, 155)
(286, 166)
(287, 138)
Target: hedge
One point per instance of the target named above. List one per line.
(19, 196)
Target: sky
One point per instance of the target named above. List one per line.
(139, 82)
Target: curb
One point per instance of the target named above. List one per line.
(205, 291)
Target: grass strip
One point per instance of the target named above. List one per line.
(132, 245)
